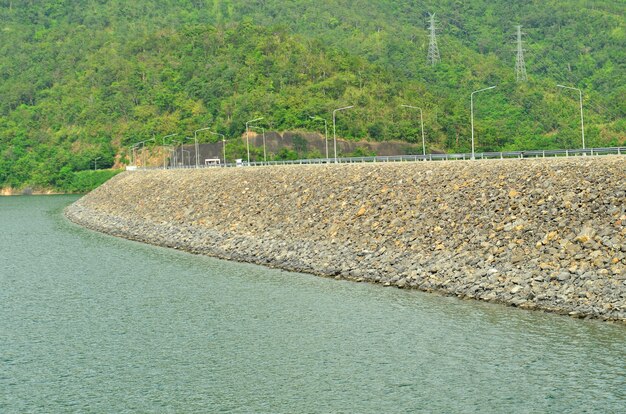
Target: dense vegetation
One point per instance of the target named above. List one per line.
(83, 181)
(81, 79)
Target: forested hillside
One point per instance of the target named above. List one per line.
(81, 79)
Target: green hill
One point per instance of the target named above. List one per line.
(85, 78)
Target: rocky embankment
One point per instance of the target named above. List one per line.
(544, 234)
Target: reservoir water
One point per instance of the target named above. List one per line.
(91, 323)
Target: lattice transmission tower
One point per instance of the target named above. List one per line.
(433, 50)
(520, 66)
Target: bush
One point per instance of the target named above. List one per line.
(87, 180)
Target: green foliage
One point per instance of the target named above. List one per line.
(362, 152)
(286, 154)
(85, 79)
(300, 144)
(83, 181)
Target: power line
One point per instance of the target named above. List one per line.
(433, 50)
(520, 66)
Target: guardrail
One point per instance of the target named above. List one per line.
(415, 158)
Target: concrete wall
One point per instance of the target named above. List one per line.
(537, 234)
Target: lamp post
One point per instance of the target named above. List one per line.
(182, 155)
(195, 136)
(335, 129)
(176, 143)
(318, 118)
(167, 136)
(181, 142)
(133, 155)
(248, 136)
(223, 142)
(582, 121)
(168, 150)
(472, 114)
(143, 150)
(142, 143)
(422, 123)
(196, 147)
(133, 150)
(172, 156)
(264, 152)
(95, 163)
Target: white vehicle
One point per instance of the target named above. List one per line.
(212, 162)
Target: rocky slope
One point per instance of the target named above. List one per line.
(538, 234)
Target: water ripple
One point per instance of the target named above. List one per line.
(90, 323)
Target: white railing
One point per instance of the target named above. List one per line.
(415, 158)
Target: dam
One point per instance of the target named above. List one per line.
(546, 234)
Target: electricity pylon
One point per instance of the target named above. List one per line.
(520, 66)
(433, 50)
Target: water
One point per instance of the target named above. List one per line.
(91, 323)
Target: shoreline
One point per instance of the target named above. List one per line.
(545, 255)
(9, 192)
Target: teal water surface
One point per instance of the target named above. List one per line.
(91, 323)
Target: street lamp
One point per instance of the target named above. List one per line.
(472, 111)
(196, 141)
(248, 136)
(182, 155)
(168, 150)
(318, 118)
(176, 143)
(422, 123)
(223, 142)
(172, 156)
(142, 143)
(167, 136)
(181, 142)
(582, 121)
(264, 152)
(133, 150)
(195, 136)
(334, 128)
(95, 163)
(132, 154)
(143, 150)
